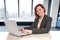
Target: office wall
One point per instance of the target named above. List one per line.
(54, 11)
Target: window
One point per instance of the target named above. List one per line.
(11, 8)
(17, 8)
(2, 12)
(25, 8)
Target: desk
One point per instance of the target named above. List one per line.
(46, 36)
(53, 35)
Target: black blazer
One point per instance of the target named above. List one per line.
(44, 27)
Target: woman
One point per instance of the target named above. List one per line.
(41, 24)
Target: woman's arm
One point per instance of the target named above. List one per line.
(43, 30)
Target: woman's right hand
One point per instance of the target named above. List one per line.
(22, 30)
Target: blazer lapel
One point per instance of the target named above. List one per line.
(43, 22)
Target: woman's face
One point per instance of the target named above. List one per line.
(40, 11)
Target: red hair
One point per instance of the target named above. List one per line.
(36, 16)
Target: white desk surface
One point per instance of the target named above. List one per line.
(52, 35)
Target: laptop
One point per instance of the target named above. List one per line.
(12, 27)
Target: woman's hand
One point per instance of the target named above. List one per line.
(25, 31)
(29, 31)
(22, 31)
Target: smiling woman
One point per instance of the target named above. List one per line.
(41, 24)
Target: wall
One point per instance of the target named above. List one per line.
(54, 11)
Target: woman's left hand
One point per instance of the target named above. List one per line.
(29, 31)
